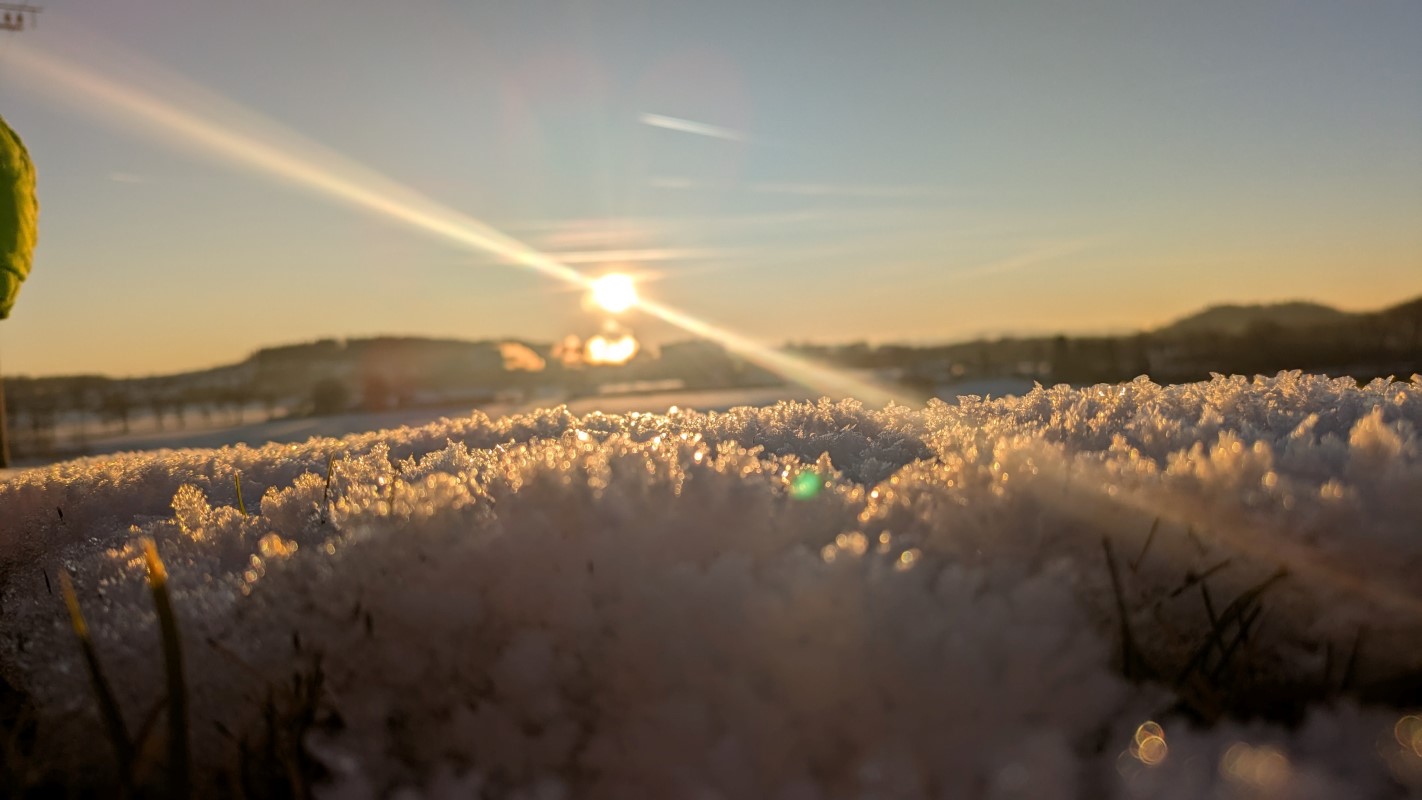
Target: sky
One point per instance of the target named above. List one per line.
(219, 177)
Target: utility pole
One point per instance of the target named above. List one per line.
(13, 16)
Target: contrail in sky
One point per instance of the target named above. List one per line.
(691, 126)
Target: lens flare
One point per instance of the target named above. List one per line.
(834, 382)
(806, 485)
(611, 350)
(242, 137)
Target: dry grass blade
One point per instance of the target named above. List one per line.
(1145, 548)
(1129, 657)
(1237, 609)
(1234, 613)
(226, 652)
(143, 755)
(17, 727)
(1240, 636)
(1350, 672)
(241, 506)
(1216, 632)
(1195, 539)
(103, 693)
(179, 772)
(1191, 579)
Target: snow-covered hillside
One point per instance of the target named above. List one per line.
(799, 601)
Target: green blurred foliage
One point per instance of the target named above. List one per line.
(19, 216)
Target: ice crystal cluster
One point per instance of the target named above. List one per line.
(800, 601)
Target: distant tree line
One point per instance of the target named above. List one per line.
(80, 407)
(59, 415)
(1363, 346)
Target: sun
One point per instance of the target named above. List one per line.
(614, 292)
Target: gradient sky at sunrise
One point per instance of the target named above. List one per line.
(795, 170)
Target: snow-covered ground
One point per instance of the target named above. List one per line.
(797, 601)
(261, 431)
(700, 400)
(298, 429)
(285, 430)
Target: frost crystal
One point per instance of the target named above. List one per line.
(805, 600)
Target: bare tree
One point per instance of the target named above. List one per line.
(115, 406)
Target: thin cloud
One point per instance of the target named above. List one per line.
(860, 191)
(1030, 258)
(649, 232)
(672, 182)
(639, 256)
(691, 126)
(889, 192)
(587, 233)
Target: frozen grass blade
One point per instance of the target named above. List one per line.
(178, 750)
(241, 506)
(103, 693)
(326, 495)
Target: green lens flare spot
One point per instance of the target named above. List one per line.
(806, 485)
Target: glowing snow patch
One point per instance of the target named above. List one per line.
(564, 606)
(611, 350)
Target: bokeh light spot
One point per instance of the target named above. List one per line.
(806, 485)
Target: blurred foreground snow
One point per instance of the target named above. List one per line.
(668, 605)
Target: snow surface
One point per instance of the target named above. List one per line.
(659, 605)
(284, 430)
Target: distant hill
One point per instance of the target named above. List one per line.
(1410, 310)
(1237, 319)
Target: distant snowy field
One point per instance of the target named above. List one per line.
(798, 601)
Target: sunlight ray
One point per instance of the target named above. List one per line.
(317, 169)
